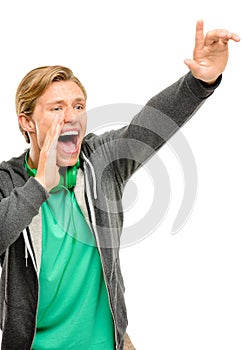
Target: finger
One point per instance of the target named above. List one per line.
(56, 131)
(225, 36)
(52, 135)
(57, 124)
(199, 36)
(60, 117)
(220, 35)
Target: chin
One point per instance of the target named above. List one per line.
(67, 160)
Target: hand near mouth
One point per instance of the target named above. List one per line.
(47, 171)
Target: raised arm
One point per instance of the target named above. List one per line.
(166, 112)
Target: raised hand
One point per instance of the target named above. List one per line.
(47, 171)
(210, 54)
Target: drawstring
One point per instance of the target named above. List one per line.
(26, 255)
(28, 250)
(93, 175)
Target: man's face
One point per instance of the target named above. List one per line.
(64, 100)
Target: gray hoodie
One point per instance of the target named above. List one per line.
(107, 163)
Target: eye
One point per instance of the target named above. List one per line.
(56, 109)
(79, 107)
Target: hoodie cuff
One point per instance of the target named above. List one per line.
(199, 88)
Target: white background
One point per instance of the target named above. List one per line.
(183, 291)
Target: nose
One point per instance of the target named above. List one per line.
(69, 114)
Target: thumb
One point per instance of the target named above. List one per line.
(191, 64)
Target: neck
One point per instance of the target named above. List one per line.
(33, 158)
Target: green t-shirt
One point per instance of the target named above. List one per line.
(73, 309)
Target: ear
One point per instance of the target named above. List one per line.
(26, 123)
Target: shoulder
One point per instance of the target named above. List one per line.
(12, 172)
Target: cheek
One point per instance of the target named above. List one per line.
(41, 130)
(84, 124)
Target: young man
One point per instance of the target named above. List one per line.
(61, 213)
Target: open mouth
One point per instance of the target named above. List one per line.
(68, 141)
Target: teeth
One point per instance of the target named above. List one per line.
(68, 133)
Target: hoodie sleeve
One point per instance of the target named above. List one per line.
(128, 148)
(18, 209)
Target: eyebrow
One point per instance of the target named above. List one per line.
(57, 101)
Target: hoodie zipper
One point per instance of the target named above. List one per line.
(93, 223)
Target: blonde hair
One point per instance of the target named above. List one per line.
(35, 83)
